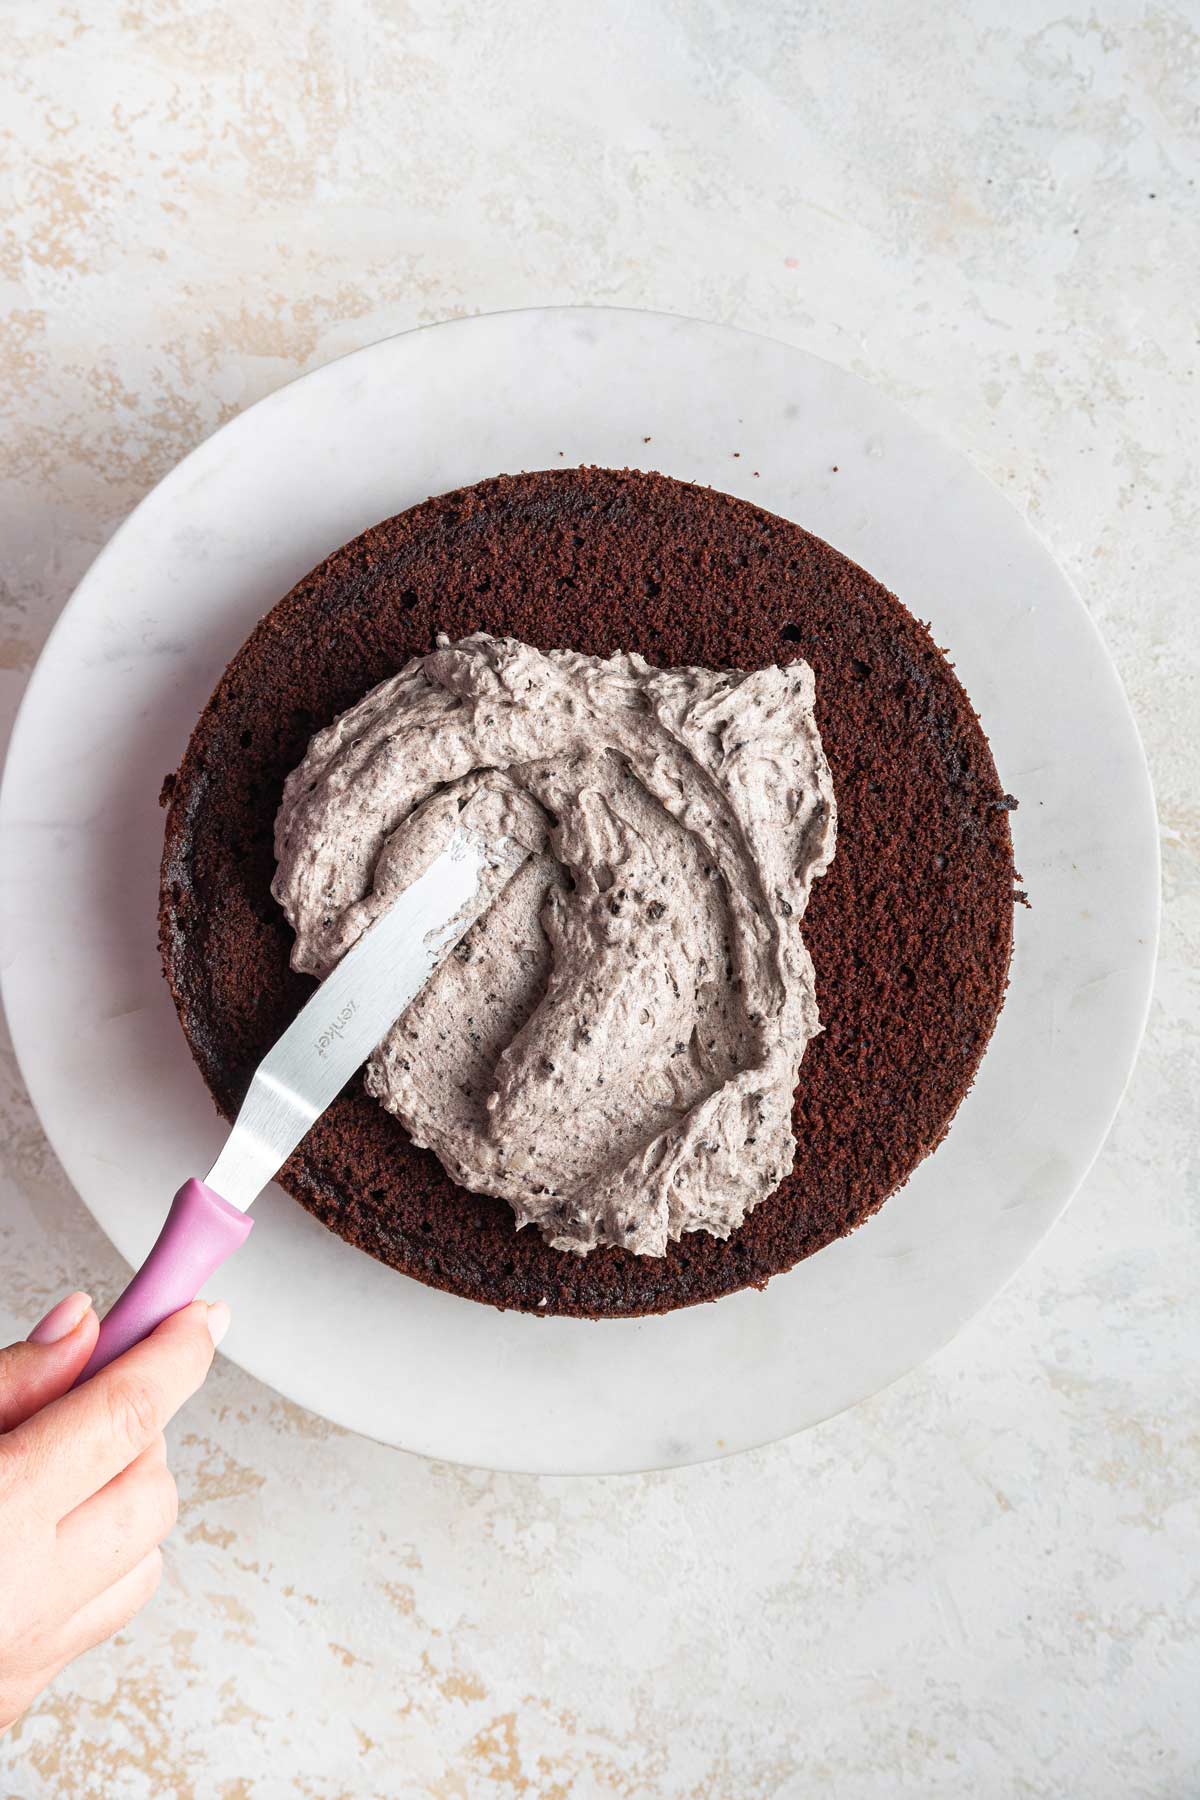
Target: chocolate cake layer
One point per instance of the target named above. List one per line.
(910, 931)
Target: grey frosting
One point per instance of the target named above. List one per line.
(614, 1047)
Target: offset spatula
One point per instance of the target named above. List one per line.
(332, 1034)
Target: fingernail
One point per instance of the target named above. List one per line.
(61, 1320)
(219, 1316)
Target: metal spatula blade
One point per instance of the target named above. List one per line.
(334, 1032)
(351, 1011)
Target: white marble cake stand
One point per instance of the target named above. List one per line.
(134, 658)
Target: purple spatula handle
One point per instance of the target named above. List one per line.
(201, 1230)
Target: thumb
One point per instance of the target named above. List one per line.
(38, 1371)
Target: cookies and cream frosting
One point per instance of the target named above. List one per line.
(614, 1046)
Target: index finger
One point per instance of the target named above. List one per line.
(76, 1445)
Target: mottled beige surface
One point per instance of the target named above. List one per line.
(984, 1581)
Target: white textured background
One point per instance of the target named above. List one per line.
(984, 1582)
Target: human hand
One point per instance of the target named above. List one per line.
(85, 1493)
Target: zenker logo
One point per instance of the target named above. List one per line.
(335, 1027)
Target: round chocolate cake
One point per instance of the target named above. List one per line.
(910, 930)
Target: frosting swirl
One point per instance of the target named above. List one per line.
(614, 1046)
